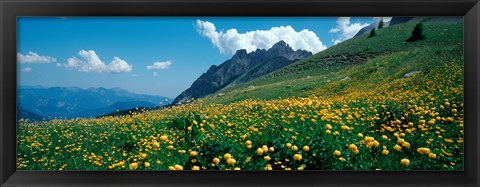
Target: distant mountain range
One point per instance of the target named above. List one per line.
(36, 102)
(242, 67)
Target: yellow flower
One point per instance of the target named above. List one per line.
(195, 168)
(272, 149)
(164, 138)
(133, 166)
(248, 142)
(267, 158)
(300, 168)
(294, 148)
(157, 162)
(249, 146)
(231, 161)
(156, 145)
(385, 152)
(432, 155)
(193, 153)
(352, 147)
(397, 147)
(360, 135)
(423, 150)
(406, 144)
(405, 162)
(236, 169)
(288, 145)
(297, 157)
(259, 151)
(376, 143)
(216, 160)
(306, 148)
(265, 148)
(178, 167)
(328, 126)
(147, 164)
(337, 153)
(227, 156)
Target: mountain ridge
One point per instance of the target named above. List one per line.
(72, 102)
(218, 77)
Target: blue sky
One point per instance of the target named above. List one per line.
(156, 55)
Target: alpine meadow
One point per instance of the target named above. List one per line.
(389, 98)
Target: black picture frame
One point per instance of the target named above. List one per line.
(10, 10)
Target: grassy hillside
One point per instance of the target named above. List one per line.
(306, 116)
(376, 60)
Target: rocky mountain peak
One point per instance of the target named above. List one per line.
(242, 67)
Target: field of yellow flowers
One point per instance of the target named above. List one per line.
(413, 123)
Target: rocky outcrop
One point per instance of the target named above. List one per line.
(242, 67)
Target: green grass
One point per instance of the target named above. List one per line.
(392, 58)
(386, 117)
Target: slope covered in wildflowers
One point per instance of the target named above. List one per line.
(379, 118)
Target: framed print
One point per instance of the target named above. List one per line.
(230, 93)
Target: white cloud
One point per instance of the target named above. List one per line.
(155, 73)
(32, 57)
(230, 41)
(346, 29)
(27, 70)
(160, 65)
(90, 62)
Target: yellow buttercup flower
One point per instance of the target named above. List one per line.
(216, 160)
(288, 145)
(385, 152)
(306, 148)
(178, 167)
(133, 166)
(297, 157)
(337, 153)
(231, 161)
(193, 153)
(423, 150)
(265, 148)
(294, 148)
(405, 162)
(397, 147)
(259, 151)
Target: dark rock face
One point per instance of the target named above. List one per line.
(400, 20)
(242, 67)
